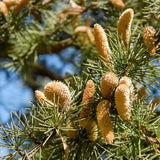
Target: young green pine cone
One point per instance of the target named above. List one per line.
(104, 121)
(87, 98)
(122, 101)
(101, 41)
(149, 40)
(108, 81)
(124, 25)
(61, 92)
(4, 9)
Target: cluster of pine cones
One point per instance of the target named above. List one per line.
(109, 80)
(124, 94)
(110, 84)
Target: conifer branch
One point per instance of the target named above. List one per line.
(20, 152)
(101, 111)
(36, 148)
(42, 70)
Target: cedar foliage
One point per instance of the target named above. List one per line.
(49, 131)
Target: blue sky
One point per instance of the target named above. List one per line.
(13, 97)
(13, 94)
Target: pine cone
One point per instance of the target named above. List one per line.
(128, 82)
(141, 93)
(108, 81)
(4, 9)
(101, 41)
(87, 98)
(118, 3)
(42, 98)
(61, 92)
(149, 40)
(124, 25)
(122, 100)
(20, 5)
(104, 121)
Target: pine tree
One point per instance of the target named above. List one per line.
(100, 112)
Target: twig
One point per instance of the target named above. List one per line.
(44, 71)
(154, 141)
(33, 138)
(130, 65)
(65, 146)
(150, 139)
(20, 152)
(36, 148)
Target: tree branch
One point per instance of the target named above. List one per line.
(42, 70)
(65, 145)
(150, 139)
(36, 148)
